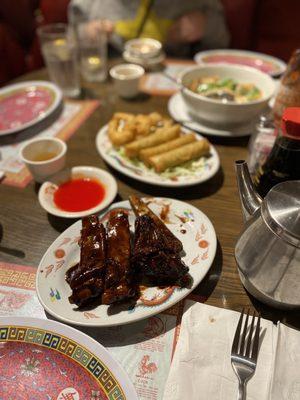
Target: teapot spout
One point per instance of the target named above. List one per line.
(250, 199)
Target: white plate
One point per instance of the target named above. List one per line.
(43, 359)
(178, 111)
(188, 223)
(144, 62)
(40, 98)
(271, 65)
(47, 190)
(207, 168)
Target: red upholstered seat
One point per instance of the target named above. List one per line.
(54, 10)
(12, 55)
(240, 15)
(277, 28)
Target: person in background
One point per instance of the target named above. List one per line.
(183, 26)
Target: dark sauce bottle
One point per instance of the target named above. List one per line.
(283, 162)
(288, 94)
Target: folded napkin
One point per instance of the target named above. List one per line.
(201, 367)
(285, 384)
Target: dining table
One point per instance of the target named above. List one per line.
(26, 230)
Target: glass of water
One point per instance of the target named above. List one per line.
(60, 55)
(92, 51)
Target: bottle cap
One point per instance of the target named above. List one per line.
(291, 123)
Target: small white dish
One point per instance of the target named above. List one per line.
(179, 112)
(34, 155)
(226, 113)
(143, 47)
(147, 63)
(47, 190)
(126, 78)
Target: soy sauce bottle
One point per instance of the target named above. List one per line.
(283, 162)
(288, 94)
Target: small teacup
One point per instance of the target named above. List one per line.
(44, 157)
(144, 47)
(127, 78)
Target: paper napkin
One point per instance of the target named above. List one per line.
(201, 368)
(285, 383)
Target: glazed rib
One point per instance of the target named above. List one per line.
(86, 279)
(154, 256)
(118, 278)
(140, 208)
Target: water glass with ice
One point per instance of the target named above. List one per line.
(60, 54)
(92, 43)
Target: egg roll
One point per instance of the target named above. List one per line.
(145, 154)
(180, 155)
(160, 136)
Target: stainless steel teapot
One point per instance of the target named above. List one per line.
(268, 249)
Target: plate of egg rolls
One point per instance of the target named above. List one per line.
(153, 149)
(135, 260)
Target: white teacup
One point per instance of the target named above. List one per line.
(144, 47)
(127, 78)
(44, 157)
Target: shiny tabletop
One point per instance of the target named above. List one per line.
(26, 230)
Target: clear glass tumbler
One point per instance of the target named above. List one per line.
(92, 44)
(60, 54)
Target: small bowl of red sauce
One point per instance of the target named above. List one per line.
(78, 192)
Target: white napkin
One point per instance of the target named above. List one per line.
(201, 368)
(285, 383)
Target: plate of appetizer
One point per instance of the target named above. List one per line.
(49, 360)
(155, 150)
(137, 259)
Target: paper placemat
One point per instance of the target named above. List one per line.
(74, 113)
(145, 349)
(17, 291)
(156, 84)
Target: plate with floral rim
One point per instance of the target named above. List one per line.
(24, 104)
(191, 173)
(43, 359)
(188, 223)
(263, 62)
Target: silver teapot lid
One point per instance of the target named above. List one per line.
(281, 211)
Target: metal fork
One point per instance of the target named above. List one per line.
(244, 351)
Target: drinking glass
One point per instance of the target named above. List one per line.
(60, 54)
(92, 42)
